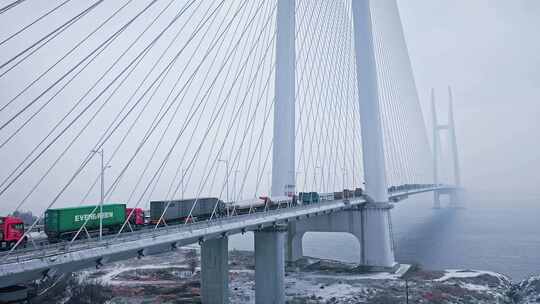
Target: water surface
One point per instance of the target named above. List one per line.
(496, 235)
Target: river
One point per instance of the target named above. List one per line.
(497, 235)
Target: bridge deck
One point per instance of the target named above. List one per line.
(32, 263)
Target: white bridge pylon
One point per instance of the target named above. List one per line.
(269, 243)
(452, 142)
(377, 249)
(374, 221)
(372, 225)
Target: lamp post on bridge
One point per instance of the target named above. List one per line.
(102, 195)
(235, 197)
(296, 180)
(344, 173)
(182, 184)
(322, 177)
(269, 174)
(315, 177)
(226, 161)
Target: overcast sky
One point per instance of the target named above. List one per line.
(489, 51)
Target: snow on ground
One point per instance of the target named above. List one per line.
(370, 276)
(528, 291)
(531, 280)
(320, 285)
(323, 292)
(314, 281)
(475, 287)
(367, 276)
(109, 275)
(462, 274)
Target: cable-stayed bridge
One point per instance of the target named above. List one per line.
(234, 100)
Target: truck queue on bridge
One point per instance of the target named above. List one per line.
(64, 224)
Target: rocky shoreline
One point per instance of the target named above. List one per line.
(174, 278)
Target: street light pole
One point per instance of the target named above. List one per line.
(315, 178)
(102, 195)
(296, 181)
(269, 173)
(322, 177)
(227, 175)
(182, 184)
(323, 180)
(344, 172)
(234, 185)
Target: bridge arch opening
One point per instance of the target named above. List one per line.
(339, 246)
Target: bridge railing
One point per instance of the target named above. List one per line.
(109, 240)
(50, 250)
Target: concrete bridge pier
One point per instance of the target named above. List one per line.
(270, 265)
(436, 200)
(369, 223)
(293, 244)
(215, 271)
(376, 232)
(455, 197)
(377, 242)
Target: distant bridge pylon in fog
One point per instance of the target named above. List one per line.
(437, 129)
(173, 89)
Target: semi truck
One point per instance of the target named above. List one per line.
(11, 231)
(64, 223)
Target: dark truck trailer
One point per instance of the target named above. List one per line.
(309, 197)
(348, 193)
(178, 210)
(63, 223)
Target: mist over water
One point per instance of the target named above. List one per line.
(496, 235)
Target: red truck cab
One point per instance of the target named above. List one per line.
(11, 231)
(137, 218)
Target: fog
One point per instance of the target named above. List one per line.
(488, 51)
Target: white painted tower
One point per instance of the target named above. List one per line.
(436, 143)
(270, 242)
(456, 196)
(377, 249)
(283, 177)
(453, 141)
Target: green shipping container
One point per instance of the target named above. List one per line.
(62, 221)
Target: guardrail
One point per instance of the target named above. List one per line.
(79, 245)
(109, 240)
